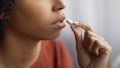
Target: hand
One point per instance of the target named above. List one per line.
(93, 51)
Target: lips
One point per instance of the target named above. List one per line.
(59, 24)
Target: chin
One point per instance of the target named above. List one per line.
(51, 37)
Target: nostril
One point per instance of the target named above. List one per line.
(58, 9)
(58, 6)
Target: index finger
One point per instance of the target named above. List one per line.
(84, 26)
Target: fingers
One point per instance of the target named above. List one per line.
(95, 44)
(78, 36)
(84, 26)
(92, 43)
(95, 48)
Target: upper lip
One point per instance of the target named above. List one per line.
(60, 19)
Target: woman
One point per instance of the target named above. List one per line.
(25, 23)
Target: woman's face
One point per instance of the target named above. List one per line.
(41, 19)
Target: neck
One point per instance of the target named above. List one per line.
(18, 51)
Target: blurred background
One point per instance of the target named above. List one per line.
(102, 15)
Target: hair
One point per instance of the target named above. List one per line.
(5, 8)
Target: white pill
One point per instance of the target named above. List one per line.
(70, 22)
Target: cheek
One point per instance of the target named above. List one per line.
(34, 29)
(36, 11)
(33, 20)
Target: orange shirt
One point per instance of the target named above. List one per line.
(53, 55)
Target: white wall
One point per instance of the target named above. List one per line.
(102, 15)
(113, 25)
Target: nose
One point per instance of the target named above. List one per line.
(58, 5)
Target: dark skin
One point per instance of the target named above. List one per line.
(32, 21)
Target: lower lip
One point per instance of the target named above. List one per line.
(58, 25)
